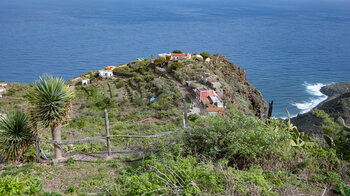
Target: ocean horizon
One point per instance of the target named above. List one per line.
(289, 50)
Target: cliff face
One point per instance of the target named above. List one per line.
(337, 105)
(240, 91)
(237, 89)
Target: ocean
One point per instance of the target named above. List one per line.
(289, 49)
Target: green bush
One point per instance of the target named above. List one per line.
(19, 186)
(174, 66)
(337, 134)
(15, 135)
(243, 140)
(205, 55)
(186, 176)
(177, 51)
(193, 117)
(160, 61)
(120, 84)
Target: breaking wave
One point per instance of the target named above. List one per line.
(318, 97)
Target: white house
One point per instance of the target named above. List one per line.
(105, 73)
(198, 57)
(2, 91)
(85, 81)
(4, 85)
(180, 56)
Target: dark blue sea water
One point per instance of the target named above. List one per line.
(289, 49)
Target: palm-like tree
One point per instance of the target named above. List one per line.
(15, 135)
(50, 104)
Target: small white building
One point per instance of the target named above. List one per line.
(2, 91)
(180, 56)
(85, 81)
(105, 73)
(216, 101)
(4, 85)
(198, 57)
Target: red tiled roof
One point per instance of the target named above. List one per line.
(178, 54)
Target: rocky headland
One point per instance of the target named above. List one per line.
(337, 105)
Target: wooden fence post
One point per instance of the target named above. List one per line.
(107, 134)
(37, 149)
(185, 120)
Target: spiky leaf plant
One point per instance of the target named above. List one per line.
(15, 135)
(50, 104)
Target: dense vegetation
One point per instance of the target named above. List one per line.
(236, 154)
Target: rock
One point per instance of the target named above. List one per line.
(337, 105)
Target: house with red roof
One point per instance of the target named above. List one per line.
(180, 56)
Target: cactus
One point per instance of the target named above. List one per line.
(342, 123)
(328, 140)
(298, 138)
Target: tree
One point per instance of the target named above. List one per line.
(177, 51)
(205, 55)
(50, 103)
(15, 135)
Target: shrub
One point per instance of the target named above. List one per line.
(187, 176)
(205, 55)
(174, 66)
(120, 84)
(242, 140)
(337, 134)
(20, 186)
(177, 51)
(160, 61)
(193, 117)
(15, 135)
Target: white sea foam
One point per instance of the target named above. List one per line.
(314, 89)
(318, 97)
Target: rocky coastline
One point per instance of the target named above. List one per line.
(336, 105)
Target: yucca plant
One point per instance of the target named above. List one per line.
(15, 135)
(50, 104)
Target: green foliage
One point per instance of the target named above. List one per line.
(342, 189)
(120, 84)
(337, 134)
(29, 154)
(104, 102)
(242, 140)
(20, 186)
(160, 61)
(15, 135)
(298, 138)
(187, 176)
(205, 55)
(193, 117)
(177, 51)
(71, 189)
(50, 101)
(174, 66)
